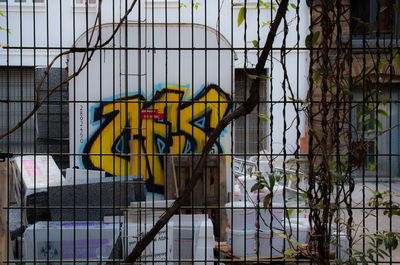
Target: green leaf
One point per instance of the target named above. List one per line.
(383, 112)
(257, 186)
(308, 41)
(196, 5)
(293, 6)
(372, 166)
(379, 124)
(319, 205)
(264, 117)
(1, 13)
(267, 200)
(289, 212)
(363, 261)
(296, 243)
(241, 16)
(312, 39)
(382, 64)
(271, 179)
(353, 261)
(398, 61)
(317, 74)
(289, 253)
(261, 3)
(281, 235)
(266, 24)
(255, 43)
(332, 164)
(182, 5)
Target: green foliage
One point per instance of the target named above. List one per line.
(289, 254)
(241, 16)
(263, 183)
(384, 199)
(312, 39)
(195, 5)
(264, 24)
(380, 244)
(359, 27)
(264, 117)
(2, 28)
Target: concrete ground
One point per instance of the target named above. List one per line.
(374, 220)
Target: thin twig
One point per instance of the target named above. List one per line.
(83, 65)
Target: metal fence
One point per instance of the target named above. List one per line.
(107, 108)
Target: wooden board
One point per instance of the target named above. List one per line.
(222, 250)
(210, 192)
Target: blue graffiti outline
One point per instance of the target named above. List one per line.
(157, 87)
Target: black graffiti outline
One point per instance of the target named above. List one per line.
(105, 120)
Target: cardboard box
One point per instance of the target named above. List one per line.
(79, 241)
(32, 176)
(35, 174)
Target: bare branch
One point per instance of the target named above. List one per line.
(242, 110)
(83, 65)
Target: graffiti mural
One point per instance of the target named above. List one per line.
(135, 130)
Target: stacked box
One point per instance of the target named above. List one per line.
(78, 241)
(83, 195)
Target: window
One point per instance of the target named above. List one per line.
(379, 149)
(17, 89)
(250, 133)
(83, 2)
(370, 16)
(24, 2)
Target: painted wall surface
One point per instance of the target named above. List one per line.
(150, 102)
(44, 29)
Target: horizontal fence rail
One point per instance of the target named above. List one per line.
(199, 132)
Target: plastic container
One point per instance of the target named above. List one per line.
(190, 235)
(265, 238)
(78, 241)
(132, 233)
(300, 230)
(237, 193)
(242, 218)
(264, 219)
(147, 210)
(248, 182)
(241, 242)
(343, 242)
(252, 195)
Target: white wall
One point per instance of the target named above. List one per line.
(44, 30)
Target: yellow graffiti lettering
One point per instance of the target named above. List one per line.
(128, 143)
